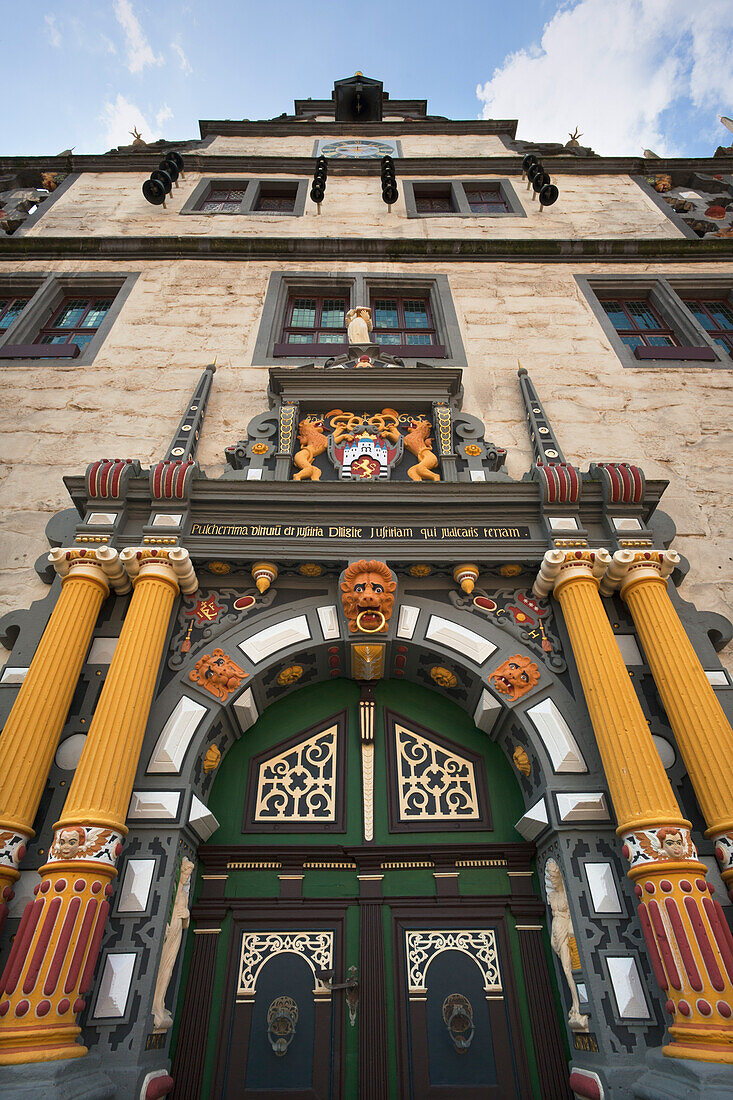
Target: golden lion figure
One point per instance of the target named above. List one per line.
(515, 677)
(418, 442)
(313, 443)
(368, 596)
(218, 674)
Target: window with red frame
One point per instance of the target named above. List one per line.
(75, 322)
(485, 200)
(10, 310)
(313, 320)
(277, 198)
(716, 317)
(638, 323)
(223, 200)
(404, 322)
(434, 200)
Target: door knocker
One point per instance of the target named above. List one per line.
(458, 1018)
(282, 1016)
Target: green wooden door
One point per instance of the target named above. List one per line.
(424, 909)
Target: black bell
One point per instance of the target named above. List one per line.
(540, 180)
(527, 162)
(549, 194)
(163, 179)
(358, 98)
(154, 192)
(534, 170)
(170, 167)
(176, 159)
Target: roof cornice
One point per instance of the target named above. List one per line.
(288, 127)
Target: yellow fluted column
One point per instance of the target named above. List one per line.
(31, 734)
(702, 731)
(52, 962)
(688, 942)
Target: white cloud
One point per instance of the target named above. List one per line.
(52, 32)
(119, 117)
(613, 68)
(182, 59)
(163, 115)
(108, 44)
(139, 50)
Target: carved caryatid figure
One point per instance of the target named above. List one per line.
(419, 443)
(359, 325)
(313, 443)
(180, 919)
(562, 931)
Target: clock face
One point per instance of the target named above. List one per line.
(351, 147)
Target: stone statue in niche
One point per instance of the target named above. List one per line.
(180, 919)
(359, 325)
(561, 936)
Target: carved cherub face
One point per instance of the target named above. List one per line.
(368, 596)
(68, 843)
(673, 844)
(515, 677)
(218, 674)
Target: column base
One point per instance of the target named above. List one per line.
(68, 1080)
(682, 1079)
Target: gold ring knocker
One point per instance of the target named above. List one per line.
(376, 629)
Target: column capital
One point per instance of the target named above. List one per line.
(631, 566)
(561, 566)
(100, 564)
(170, 565)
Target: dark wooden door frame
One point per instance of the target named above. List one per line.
(457, 912)
(234, 1025)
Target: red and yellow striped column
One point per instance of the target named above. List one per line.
(689, 945)
(52, 962)
(702, 731)
(31, 734)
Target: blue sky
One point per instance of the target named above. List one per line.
(632, 74)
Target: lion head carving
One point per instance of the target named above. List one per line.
(368, 597)
(515, 677)
(218, 674)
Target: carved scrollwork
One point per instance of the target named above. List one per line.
(422, 946)
(299, 784)
(433, 782)
(259, 947)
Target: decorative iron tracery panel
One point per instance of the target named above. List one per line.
(422, 946)
(259, 947)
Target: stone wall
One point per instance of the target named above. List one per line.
(413, 145)
(55, 419)
(112, 204)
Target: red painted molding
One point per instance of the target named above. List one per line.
(702, 355)
(39, 351)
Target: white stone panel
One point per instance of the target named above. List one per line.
(487, 711)
(176, 736)
(101, 651)
(101, 519)
(245, 709)
(602, 886)
(13, 675)
(407, 621)
(582, 806)
(629, 649)
(557, 737)
(717, 677)
(478, 475)
(254, 473)
(582, 992)
(68, 754)
(147, 805)
(626, 523)
(532, 823)
(627, 987)
(135, 888)
(563, 523)
(328, 619)
(274, 638)
(167, 519)
(115, 985)
(460, 639)
(666, 751)
(201, 819)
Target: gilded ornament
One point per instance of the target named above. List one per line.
(313, 442)
(260, 448)
(466, 576)
(310, 569)
(212, 758)
(217, 673)
(515, 677)
(263, 574)
(510, 570)
(472, 449)
(521, 761)
(419, 443)
(290, 675)
(220, 567)
(368, 596)
(420, 570)
(443, 676)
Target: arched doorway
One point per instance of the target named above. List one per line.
(442, 1001)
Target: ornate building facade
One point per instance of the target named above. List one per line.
(364, 716)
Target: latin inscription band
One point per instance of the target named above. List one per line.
(316, 531)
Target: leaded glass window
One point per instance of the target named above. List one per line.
(10, 310)
(315, 320)
(716, 317)
(75, 322)
(485, 200)
(638, 323)
(402, 321)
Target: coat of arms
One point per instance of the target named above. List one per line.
(365, 448)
